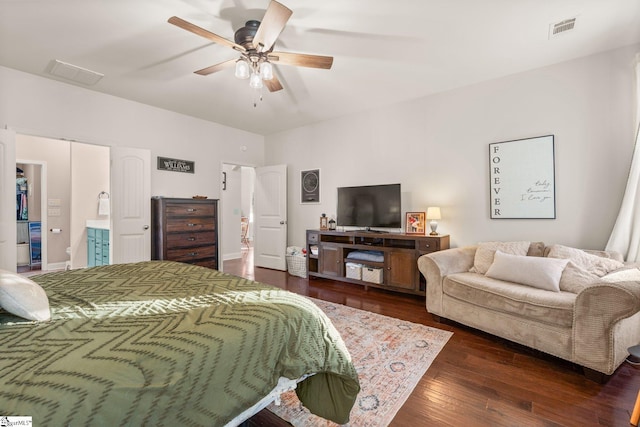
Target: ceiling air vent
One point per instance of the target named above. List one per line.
(561, 27)
(74, 73)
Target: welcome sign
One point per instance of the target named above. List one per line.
(176, 165)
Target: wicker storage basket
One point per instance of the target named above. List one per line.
(353, 270)
(297, 265)
(371, 274)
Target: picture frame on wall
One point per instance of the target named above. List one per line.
(415, 223)
(310, 186)
(522, 179)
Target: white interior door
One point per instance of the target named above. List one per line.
(8, 238)
(271, 217)
(130, 205)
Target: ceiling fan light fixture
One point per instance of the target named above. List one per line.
(255, 81)
(242, 69)
(266, 71)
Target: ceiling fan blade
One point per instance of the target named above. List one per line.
(301, 60)
(272, 24)
(273, 85)
(215, 68)
(179, 22)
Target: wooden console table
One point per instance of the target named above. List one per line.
(399, 268)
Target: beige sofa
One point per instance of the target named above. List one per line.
(590, 320)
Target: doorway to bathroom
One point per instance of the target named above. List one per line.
(60, 191)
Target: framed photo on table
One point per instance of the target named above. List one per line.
(415, 223)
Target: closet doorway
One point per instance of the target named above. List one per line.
(31, 195)
(237, 212)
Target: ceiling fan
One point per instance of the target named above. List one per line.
(255, 42)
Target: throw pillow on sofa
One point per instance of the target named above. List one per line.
(486, 250)
(593, 264)
(538, 272)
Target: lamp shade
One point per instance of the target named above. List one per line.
(255, 81)
(266, 71)
(242, 69)
(433, 213)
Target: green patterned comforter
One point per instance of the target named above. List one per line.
(164, 343)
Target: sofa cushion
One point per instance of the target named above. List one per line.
(574, 278)
(539, 272)
(552, 308)
(485, 251)
(593, 264)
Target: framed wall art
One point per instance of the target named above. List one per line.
(415, 223)
(310, 186)
(522, 178)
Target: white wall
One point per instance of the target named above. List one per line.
(437, 148)
(39, 106)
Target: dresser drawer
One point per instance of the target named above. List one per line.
(190, 224)
(182, 240)
(192, 254)
(429, 245)
(189, 209)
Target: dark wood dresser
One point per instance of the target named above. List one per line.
(185, 230)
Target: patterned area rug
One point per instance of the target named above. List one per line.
(390, 355)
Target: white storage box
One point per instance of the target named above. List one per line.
(372, 274)
(353, 270)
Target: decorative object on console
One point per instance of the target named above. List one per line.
(324, 222)
(433, 213)
(415, 223)
(310, 186)
(522, 178)
(332, 224)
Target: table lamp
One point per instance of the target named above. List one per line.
(433, 213)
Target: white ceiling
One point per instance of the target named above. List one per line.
(384, 51)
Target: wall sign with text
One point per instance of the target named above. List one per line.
(522, 178)
(176, 165)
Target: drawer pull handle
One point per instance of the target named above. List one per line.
(191, 210)
(193, 253)
(191, 239)
(191, 225)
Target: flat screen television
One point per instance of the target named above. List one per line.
(370, 206)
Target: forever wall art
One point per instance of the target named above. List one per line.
(522, 178)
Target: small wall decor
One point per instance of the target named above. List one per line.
(522, 178)
(310, 186)
(415, 223)
(176, 165)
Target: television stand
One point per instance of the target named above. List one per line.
(397, 271)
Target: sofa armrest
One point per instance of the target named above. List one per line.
(598, 308)
(437, 265)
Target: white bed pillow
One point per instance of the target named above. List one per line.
(23, 297)
(593, 264)
(538, 272)
(485, 251)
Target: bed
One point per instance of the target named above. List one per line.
(166, 343)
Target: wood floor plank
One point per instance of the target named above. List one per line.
(477, 379)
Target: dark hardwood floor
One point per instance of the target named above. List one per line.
(477, 379)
